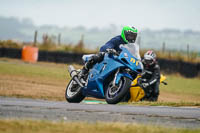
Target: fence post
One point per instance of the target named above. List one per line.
(163, 47)
(35, 38)
(59, 39)
(188, 51)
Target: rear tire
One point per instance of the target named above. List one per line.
(122, 90)
(73, 96)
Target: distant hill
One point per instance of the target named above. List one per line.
(23, 30)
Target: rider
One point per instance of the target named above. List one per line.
(150, 79)
(128, 35)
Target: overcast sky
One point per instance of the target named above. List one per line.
(153, 14)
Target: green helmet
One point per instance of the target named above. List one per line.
(129, 34)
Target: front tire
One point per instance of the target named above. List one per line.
(73, 93)
(115, 95)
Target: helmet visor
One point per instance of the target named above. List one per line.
(148, 62)
(131, 37)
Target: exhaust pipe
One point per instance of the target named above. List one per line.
(72, 71)
(74, 75)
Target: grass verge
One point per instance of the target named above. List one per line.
(30, 126)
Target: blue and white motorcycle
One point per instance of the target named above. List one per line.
(109, 79)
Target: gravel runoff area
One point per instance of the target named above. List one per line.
(18, 108)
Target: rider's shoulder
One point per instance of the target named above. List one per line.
(116, 38)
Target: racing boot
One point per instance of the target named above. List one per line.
(85, 70)
(83, 75)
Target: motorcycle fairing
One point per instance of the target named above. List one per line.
(100, 72)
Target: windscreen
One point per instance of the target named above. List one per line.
(133, 48)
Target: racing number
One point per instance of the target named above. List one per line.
(134, 61)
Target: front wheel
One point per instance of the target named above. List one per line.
(115, 94)
(73, 93)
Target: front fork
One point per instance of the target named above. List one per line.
(119, 75)
(115, 78)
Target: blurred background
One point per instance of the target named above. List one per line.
(163, 25)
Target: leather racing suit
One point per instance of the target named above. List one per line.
(151, 76)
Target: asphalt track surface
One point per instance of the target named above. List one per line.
(181, 117)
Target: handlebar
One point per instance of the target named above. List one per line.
(112, 51)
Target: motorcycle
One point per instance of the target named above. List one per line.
(110, 79)
(137, 93)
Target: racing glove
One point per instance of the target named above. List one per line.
(145, 85)
(140, 80)
(111, 51)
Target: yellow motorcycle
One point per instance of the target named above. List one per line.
(137, 92)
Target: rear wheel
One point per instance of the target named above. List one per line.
(73, 92)
(115, 94)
